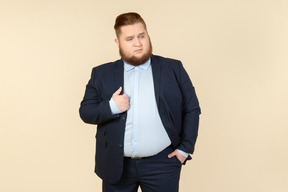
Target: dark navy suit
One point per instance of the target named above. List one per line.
(177, 105)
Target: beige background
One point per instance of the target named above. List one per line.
(234, 51)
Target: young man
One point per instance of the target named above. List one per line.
(146, 111)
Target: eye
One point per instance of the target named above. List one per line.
(129, 39)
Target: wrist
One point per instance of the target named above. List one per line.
(182, 153)
(114, 109)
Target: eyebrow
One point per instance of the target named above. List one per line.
(128, 37)
(132, 36)
(143, 33)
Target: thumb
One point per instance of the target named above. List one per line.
(118, 91)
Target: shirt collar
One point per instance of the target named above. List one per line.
(145, 66)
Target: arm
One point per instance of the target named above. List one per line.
(94, 109)
(190, 117)
(190, 113)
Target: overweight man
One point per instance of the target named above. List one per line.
(146, 111)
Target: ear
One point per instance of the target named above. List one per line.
(117, 42)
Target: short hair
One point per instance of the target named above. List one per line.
(127, 19)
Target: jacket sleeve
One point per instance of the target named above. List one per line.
(190, 113)
(94, 109)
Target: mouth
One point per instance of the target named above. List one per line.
(138, 51)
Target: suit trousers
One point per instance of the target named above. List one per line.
(157, 173)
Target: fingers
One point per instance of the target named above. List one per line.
(121, 101)
(178, 155)
(172, 154)
(124, 102)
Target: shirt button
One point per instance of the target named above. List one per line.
(120, 145)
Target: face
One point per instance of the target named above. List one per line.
(134, 44)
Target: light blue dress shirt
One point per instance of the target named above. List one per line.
(145, 134)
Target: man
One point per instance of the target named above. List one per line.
(146, 111)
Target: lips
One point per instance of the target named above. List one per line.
(138, 51)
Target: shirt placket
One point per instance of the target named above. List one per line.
(135, 110)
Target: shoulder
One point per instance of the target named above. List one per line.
(165, 62)
(160, 59)
(106, 67)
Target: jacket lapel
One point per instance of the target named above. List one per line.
(156, 71)
(119, 75)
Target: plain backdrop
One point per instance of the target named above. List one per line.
(235, 51)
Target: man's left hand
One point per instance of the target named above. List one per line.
(178, 155)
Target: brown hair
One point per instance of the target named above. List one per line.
(127, 19)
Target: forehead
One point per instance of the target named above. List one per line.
(130, 30)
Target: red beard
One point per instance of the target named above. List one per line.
(134, 60)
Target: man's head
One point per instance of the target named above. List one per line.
(132, 38)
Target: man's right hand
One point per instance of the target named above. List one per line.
(122, 101)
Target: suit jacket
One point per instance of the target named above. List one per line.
(177, 105)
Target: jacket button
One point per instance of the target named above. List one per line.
(120, 145)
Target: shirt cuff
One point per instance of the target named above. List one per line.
(182, 153)
(113, 107)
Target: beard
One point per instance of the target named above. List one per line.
(132, 60)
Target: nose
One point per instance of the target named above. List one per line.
(137, 42)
